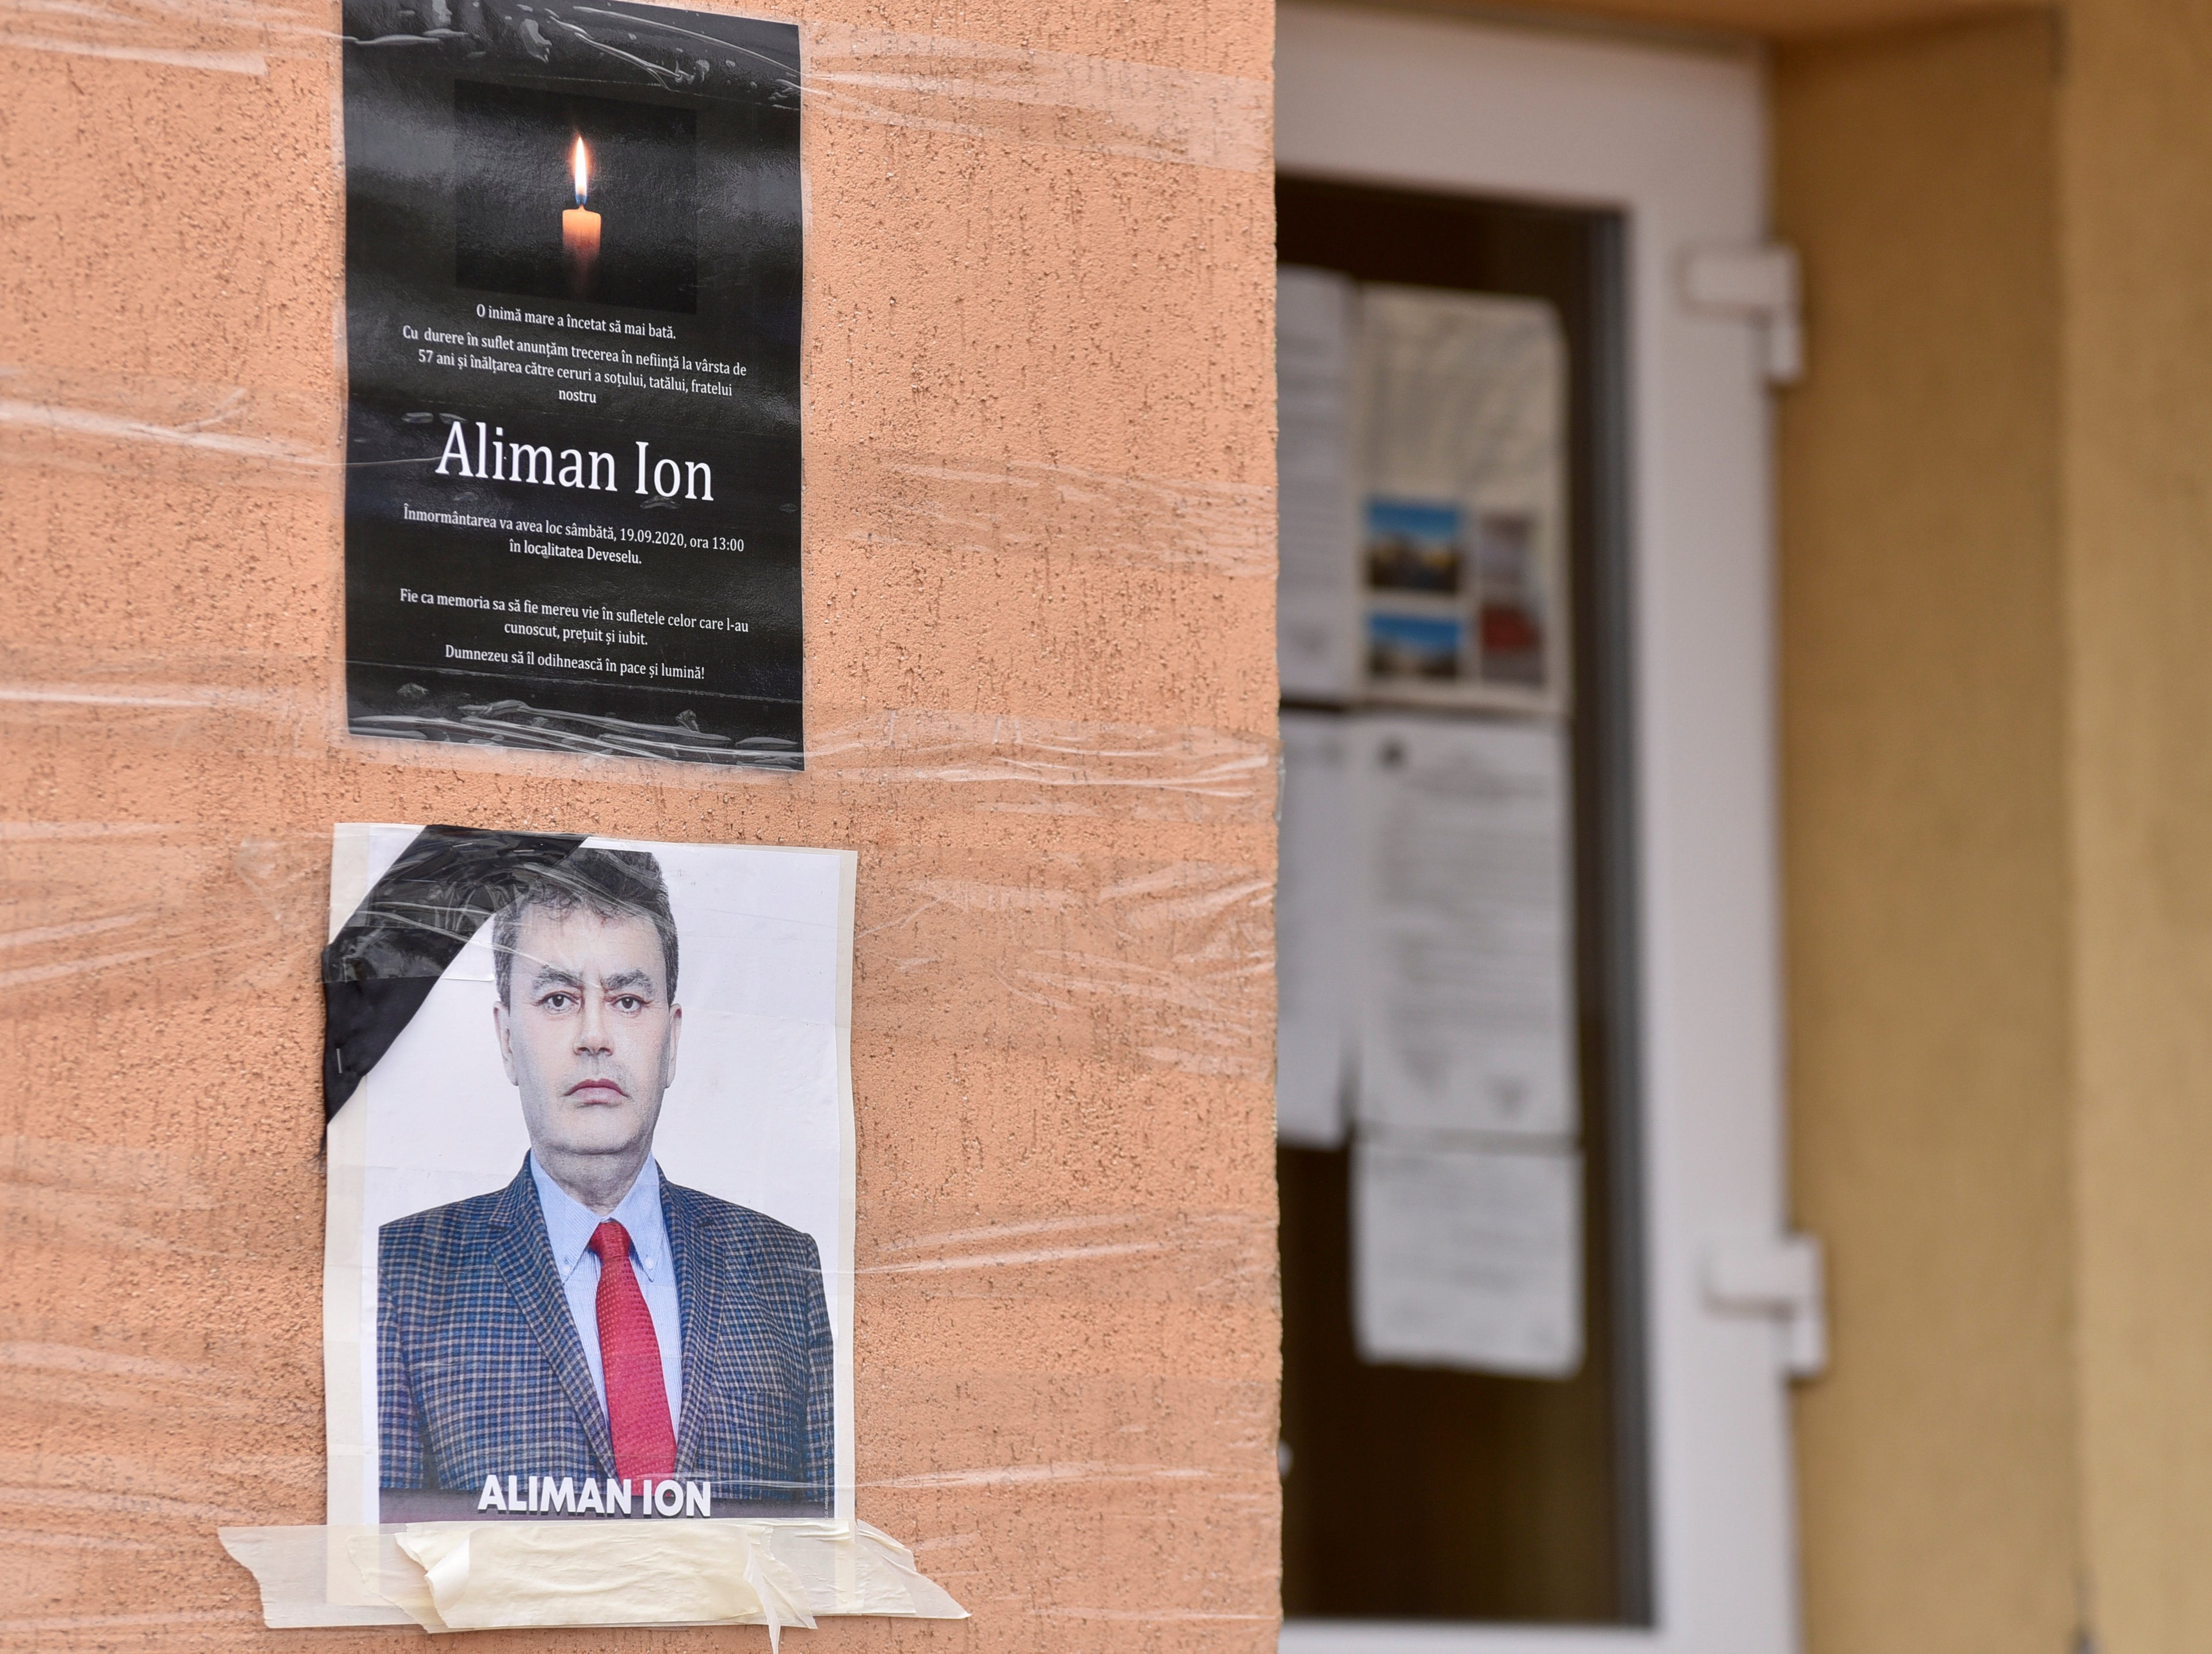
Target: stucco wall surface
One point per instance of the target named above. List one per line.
(1041, 705)
(1923, 741)
(1997, 588)
(2137, 125)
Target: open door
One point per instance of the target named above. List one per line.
(1541, 1304)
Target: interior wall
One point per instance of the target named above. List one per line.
(1922, 654)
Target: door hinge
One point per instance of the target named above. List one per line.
(1759, 285)
(1781, 1276)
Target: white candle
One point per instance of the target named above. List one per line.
(579, 228)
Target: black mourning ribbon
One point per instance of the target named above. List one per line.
(410, 926)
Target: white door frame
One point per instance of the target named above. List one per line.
(1675, 138)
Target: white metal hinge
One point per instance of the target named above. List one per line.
(1759, 285)
(1781, 1276)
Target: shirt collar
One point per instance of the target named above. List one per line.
(569, 1223)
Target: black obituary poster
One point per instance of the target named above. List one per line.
(572, 258)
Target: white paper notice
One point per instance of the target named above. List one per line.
(1316, 987)
(1460, 414)
(1467, 1257)
(1317, 585)
(1467, 1008)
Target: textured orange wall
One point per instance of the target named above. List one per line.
(1041, 705)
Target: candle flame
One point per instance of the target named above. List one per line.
(580, 163)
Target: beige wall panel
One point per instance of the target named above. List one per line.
(2138, 276)
(1040, 705)
(1923, 684)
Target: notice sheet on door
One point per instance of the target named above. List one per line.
(1467, 1020)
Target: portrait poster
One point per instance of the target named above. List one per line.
(574, 250)
(590, 1147)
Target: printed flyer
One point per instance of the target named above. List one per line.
(573, 252)
(590, 1226)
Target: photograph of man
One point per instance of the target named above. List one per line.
(594, 1319)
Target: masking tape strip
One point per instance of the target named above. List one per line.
(936, 83)
(1101, 106)
(234, 37)
(1137, 952)
(482, 1576)
(175, 435)
(946, 759)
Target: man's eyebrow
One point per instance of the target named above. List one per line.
(631, 979)
(552, 975)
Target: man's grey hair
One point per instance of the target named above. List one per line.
(612, 883)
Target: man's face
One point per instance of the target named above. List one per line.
(588, 1035)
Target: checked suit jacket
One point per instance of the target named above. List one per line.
(480, 1370)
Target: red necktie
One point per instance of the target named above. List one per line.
(629, 1355)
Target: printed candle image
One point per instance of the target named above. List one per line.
(580, 227)
(536, 175)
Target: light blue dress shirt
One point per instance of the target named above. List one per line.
(570, 1225)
